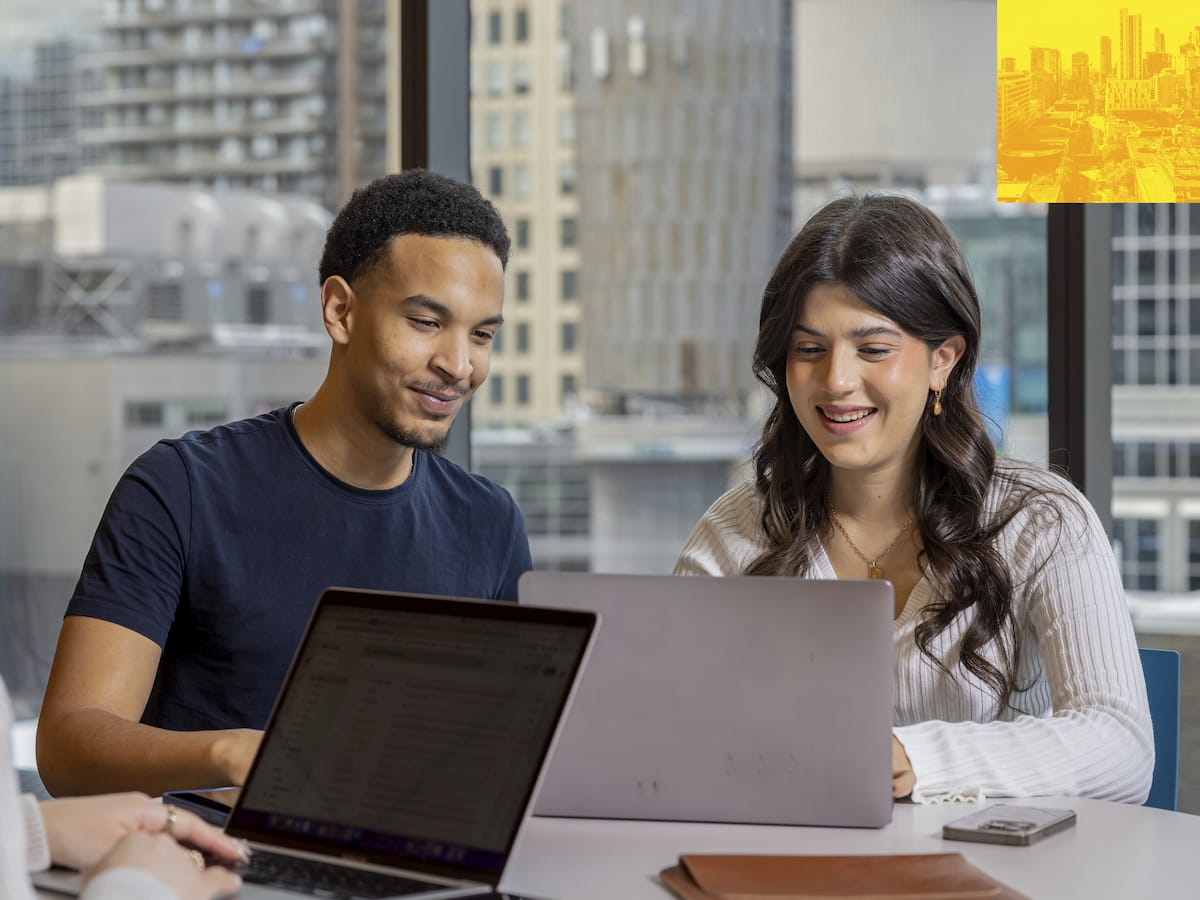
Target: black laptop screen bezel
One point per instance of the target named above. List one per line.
(241, 820)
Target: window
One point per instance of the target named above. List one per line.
(566, 177)
(566, 127)
(496, 389)
(495, 78)
(495, 27)
(521, 229)
(569, 331)
(521, 26)
(522, 181)
(567, 230)
(258, 304)
(496, 181)
(1193, 554)
(570, 285)
(567, 389)
(522, 390)
(521, 77)
(521, 129)
(522, 337)
(495, 131)
(522, 277)
(1137, 541)
(143, 414)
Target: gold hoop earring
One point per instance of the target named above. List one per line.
(937, 403)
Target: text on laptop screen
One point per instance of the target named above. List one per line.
(424, 730)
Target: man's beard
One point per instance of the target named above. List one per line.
(406, 437)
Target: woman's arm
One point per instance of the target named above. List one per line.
(1098, 741)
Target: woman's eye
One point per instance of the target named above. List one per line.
(875, 352)
(806, 350)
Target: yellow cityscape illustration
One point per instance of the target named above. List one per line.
(1097, 102)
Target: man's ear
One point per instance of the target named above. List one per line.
(337, 302)
(945, 357)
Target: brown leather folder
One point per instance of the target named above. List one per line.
(929, 876)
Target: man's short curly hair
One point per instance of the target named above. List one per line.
(415, 201)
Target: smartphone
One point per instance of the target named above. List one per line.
(1000, 824)
(212, 806)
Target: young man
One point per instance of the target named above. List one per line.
(214, 546)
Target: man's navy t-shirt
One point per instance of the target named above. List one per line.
(216, 545)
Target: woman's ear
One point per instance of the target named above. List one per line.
(944, 358)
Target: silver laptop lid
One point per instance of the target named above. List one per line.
(765, 700)
(411, 730)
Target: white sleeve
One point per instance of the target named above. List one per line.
(1097, 741)
(14, 816)
(126, 884)
(727, 537)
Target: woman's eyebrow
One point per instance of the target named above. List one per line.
(857, 333)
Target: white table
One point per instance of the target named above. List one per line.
(1114, 851)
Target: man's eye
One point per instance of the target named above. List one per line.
(484, 335)
(424, 323)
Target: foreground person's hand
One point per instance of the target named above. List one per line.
(160, 856)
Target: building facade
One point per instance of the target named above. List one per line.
(287, 97)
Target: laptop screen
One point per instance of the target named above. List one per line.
(411, 730)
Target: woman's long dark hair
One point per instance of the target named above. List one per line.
(898, 258)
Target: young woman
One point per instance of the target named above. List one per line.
(1016, 670)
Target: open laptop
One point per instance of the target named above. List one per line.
(405, 745)
(763, 700)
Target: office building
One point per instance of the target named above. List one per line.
(1156, 396)
(1105, 56)
(39, 117)
(1014, 103)
(524, 159)
(1130, 36)
(287, 97)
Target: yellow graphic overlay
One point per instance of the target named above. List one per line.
(1097, 102)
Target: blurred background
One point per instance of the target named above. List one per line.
(168, 169)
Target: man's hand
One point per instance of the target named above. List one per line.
(233, 752)
(82, 830)
(159, 855)
(903, 779)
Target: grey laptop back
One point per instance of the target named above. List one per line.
(764, 700)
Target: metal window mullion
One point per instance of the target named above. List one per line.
(1079, 342)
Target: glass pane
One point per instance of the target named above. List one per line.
(664, 184)
(1159, 402)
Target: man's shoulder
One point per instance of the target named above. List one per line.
(448, 477)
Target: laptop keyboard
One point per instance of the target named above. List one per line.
(321, 879)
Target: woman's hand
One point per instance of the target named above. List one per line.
(903, 779)
(82, 830)
(159, 855)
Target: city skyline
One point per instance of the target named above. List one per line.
(1117, 124)
(1078, 25)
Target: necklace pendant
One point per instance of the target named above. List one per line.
(874, 572)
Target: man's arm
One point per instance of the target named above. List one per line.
(89, 739)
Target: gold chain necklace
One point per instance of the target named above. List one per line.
(874, 570)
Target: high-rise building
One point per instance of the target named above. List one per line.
(39, 118)
(1130, 35)
(1156, 396)
(1014, 103)
(1105, 56)
(523, 158)
(287, 97)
